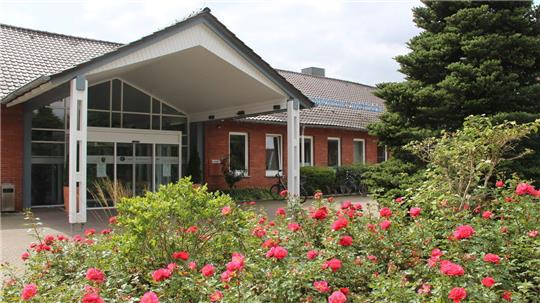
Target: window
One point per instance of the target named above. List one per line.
(382, 153)
(306, 151)
(334, 152)
(238, 153)
(359, 151)
(273, 155)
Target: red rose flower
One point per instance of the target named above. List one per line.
(321, 286)
(89, 232)
(399, 199)
(340, 223)
(333, 264)
(346, 241)
(320, 214)
(192, 265)
(507, 296)
(96, 275)
(149, 297)
(237, 262)
(25, 256)
(113, 220)
(208, 270)
(492, 258)
(337, 297)
(216, 296)
(184, 255)
(488, 281)
(487, 214)
(161, 274)
(277, 252)
(318, 195)
(294, 227)
(499, 183)
(226, 210)
(415, 212)
(451, 269)
(457, 294)
(280, 212)
(346, 204)
(283, 193)
(344, 290)
(384, 225)
(258, 232)
(385, 212)
(532, 233)
(92, 298)
(29, 291)
(312, 254)
(463, 232)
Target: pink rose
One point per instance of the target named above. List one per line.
(216, 296)
(333, 264)
(161, 274)
(226, 210)
(294, 227)
(385, 212)
(415, 212)
(312, 254)
(384, 225)
(337, 297)
(463, 232)
(92, 298)
(29, 291)
(492, 258)
(499, 183)
(487, 214)
(208, 270)
(280, 212)
(451, 269)
(321, 286)
(277, 252)
(149, 297)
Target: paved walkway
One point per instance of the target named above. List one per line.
(15, 236)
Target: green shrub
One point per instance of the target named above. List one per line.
(250, 194)
(392, 178)
(318, 178)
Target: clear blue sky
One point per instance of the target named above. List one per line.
(354, 40)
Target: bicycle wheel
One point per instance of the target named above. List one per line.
(276, 189)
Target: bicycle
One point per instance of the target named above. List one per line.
(280, 186)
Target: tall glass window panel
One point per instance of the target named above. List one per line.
(134, 100)
(173, 123)
(143, 168)
(359, 151)
(99, 118)
(382, 153)
(124, 164)
(99, 96)
(306, 151)
(238, 157)
(139, 121)
(334, 157)
(273, 154)
(48, 117)
(116, 95)
(99, 169)
(166, 164)
(47, 183)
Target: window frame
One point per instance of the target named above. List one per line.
(302, 152)
(363, 150)
(338, 139)
(245, 172)
(385, 154)
(273, 173)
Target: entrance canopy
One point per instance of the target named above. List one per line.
(197, 66)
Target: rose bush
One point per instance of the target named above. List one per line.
(334, 253)
(439, 243)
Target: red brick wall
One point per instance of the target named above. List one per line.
(217, 147)
(11, 149)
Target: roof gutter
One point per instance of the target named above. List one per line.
(31, 89)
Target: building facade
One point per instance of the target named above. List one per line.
(75, 111)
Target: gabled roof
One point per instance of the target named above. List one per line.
(97, 55)
(340, 103)
(27, 54)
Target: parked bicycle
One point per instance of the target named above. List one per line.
(352, 184)
(280, 186)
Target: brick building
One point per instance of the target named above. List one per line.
(132, 113)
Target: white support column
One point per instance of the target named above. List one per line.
(293, 147)
(77, 149)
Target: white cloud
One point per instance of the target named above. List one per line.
(353, 40)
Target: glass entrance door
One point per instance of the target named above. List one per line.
(138, 166)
